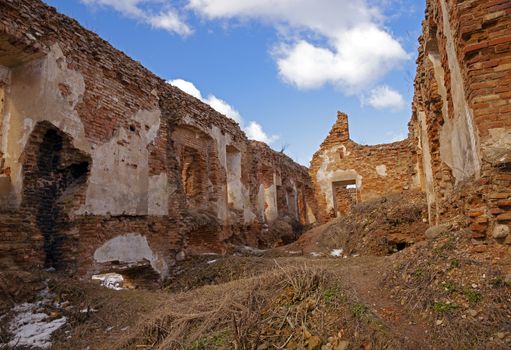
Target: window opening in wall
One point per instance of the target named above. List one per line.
(270, 192)
(342, 152)
(2, 98)
(292, 202)
(281, 199)
(47, 214)
(191, 174)
(233, 157)
(432, 43)
(302, 205)
(344, 196)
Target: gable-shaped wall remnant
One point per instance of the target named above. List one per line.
(369, 171)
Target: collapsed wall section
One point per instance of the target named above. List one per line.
(344, 172)
(461, 113)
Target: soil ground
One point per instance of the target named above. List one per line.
(449, 292)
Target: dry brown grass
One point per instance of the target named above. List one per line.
(232, 310)
(111, 313)
(294, 303)
(286, 307)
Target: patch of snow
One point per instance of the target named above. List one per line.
(316, 255)
(110, 280)
(32, 328)
(84, 311)
(212, 262)
(336, 252)
(249, 250)
(294, 252)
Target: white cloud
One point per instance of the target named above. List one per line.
(224, 108)
(355, 50)
(187, 87)
(254, 130)
(166, 18)
(319, 14)
(384, 97)
(339, 42)
(170, 21)
(361, 56)
(217, 104)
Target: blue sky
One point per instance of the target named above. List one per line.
(282, 68)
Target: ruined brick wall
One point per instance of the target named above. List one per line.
(373, 170)
(102, 161)
(461, 112)
(85, 153)
(276, 172)
(241, 179)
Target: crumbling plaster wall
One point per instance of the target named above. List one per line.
(33, 96)
(126, 122)
(6, 192)
(125, 158)
(130, 248)
(375, 170)
(108, 106)
(242, 175)
(461, 115)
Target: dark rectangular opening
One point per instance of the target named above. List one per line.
(345, 196)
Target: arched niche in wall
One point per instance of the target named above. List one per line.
(233, 177)
(54, 184)
(7, 196)
(2, 102)
(271, 211)
(193, 171)
(196, 159)
(291, 199)
(301, 204)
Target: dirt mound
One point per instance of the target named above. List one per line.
(198, 271)
(377, 227)
(459, 287)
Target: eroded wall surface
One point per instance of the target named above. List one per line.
(83, 146)
(461, 113)
(344, 172)
(233, 186)
(102, 162)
